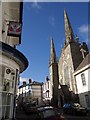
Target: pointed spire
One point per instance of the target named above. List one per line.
(52, 52)
(68, 29)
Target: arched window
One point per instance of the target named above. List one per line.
(66, 76)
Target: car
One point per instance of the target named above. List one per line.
(29, 108)
(48, 113)
(75, 109)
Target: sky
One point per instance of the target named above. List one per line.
(41, 20)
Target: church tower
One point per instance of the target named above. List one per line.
(53, 68)
(68, 29)
(70, 57)
(62, 80)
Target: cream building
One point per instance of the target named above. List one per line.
(30, 92)
(12, 61)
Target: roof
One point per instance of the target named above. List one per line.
(84, 63)
(32, 83)
(36, 83)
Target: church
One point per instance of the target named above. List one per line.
(63, 87)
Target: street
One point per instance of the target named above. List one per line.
(70, 117)
(21, 115)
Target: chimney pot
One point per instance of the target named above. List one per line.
(30, 81)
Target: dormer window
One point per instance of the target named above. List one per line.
(83, 79)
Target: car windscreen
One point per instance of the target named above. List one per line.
(48, 113)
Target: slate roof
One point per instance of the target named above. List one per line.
(32, 83)
(85, 62)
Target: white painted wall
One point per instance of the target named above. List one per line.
(45, 88)
(8, 11)
(6, 62)
(80, 87)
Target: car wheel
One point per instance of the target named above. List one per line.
(73, 112)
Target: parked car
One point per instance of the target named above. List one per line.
(75, 109)
(29, 107)
(48, 113)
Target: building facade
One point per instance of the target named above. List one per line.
(31, 92)
(82, 75)
(47, 96)
(61, 71)
(12, 61)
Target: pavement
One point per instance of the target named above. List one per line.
(21, 115)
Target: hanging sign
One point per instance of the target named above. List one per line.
(14, 29)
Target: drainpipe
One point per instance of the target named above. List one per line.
(14, 102)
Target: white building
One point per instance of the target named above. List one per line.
(47, 90)
(82, 75)
(30, 92)
(12, 61)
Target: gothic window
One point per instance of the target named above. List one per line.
(60, 79)
(66, 76)
(63, 55)
(83, 79)
(68, 56)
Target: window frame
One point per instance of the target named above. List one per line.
(83, 79)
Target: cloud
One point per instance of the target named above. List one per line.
(35, 4)
(84, 32)
(52, 21)
(83, 29)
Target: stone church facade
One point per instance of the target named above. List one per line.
(64, 88)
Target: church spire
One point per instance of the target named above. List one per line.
(52, 52)
(68, 29)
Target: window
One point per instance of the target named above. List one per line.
(66, 76)
(13, 82)
(29, 87)
(48, 93)
(87, 100)
(83, 79)
(48, 85)
(6, 105)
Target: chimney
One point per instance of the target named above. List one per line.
(47, 79)
(24, 83)
(84, 49)
(30, 81)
